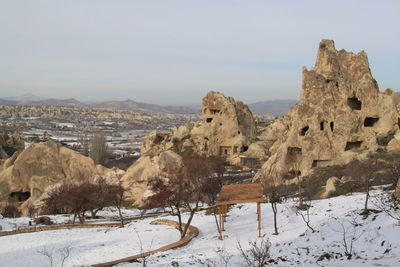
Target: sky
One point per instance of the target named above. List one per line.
(172, 52)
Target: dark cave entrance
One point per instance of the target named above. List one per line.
(354, 103)
(370, 121)
(19, 196)
(304, 130)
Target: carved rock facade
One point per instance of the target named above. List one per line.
(341, 116)
(227, 129)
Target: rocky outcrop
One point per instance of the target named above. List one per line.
(341, 116)
(137, 176)
(330, 188)
(227, 129)
(9, 144)
(27, 176)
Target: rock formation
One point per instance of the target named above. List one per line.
(27, 176)
(9, 144)
(227, 129)
(341, 116)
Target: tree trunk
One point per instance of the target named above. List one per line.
(82, 217)
(275, 210)
(366, 198)
(121, 218)
(216, 219)
(180, 222)
(189, 221)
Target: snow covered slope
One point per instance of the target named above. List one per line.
(377, 244)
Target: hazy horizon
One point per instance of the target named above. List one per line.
(174, 52)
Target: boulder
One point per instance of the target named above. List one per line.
(330, 188)
(341, 116)
(137, 176)
(26, 177)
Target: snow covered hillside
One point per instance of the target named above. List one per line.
(377, 239)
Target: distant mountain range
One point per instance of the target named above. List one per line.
(272, 107)
(138, 106)
(32, 100)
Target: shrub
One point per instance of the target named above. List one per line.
(44, 220)
(11, 211)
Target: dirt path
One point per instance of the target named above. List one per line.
(192, 232)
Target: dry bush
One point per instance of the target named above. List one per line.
(11, 211)
(43, 220)
(349, 234)
(81, 198)
(258, 255)
(56, 255)
(389, 204)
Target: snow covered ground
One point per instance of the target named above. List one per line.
(377, 244)
(87, 246)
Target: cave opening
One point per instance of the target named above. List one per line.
(244, 148)
(304, 130)
(292, 174)
(352, 145)
(322, 125)
(331, 125)
(319, 163)
(354, 103)
(370, 121)
(208, 120)
(19, 196)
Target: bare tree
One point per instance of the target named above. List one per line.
(116, 193)
(31, 210)
(72, 198)
(98, 148)
(306, 196)
(83, 197)
(258, 255)
(144, 256)
(274, 193)
(212, 186)
(389, 204)
(181, 191)
(364, 171)
(52, 254)
(349, 234)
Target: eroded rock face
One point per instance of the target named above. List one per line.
(341, 116)
(9, 144)
(137, 176)
(227, 129)
(27, 176)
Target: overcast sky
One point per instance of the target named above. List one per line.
(174, 51)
